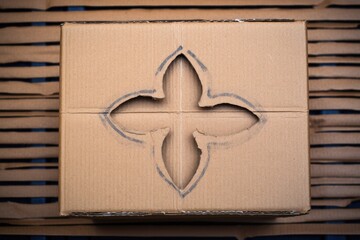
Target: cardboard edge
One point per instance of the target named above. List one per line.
(239, 20)
(188, 213)
(61, 129)
(308, 207)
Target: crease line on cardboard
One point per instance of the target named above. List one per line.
(101, 111)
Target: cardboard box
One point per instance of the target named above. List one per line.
(196, 117)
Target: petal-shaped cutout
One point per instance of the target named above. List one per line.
(155, 137)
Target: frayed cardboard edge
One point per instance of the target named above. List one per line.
(186, 20)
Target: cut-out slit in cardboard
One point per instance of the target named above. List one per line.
(180, 167)
(184, 118)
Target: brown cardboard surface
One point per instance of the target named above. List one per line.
(184, 118)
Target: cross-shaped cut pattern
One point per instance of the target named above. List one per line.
(183, 118)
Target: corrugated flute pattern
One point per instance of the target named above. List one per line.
(29, 72)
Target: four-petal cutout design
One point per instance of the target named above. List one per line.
(205, 141)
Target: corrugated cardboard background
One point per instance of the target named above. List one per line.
(29, 56)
